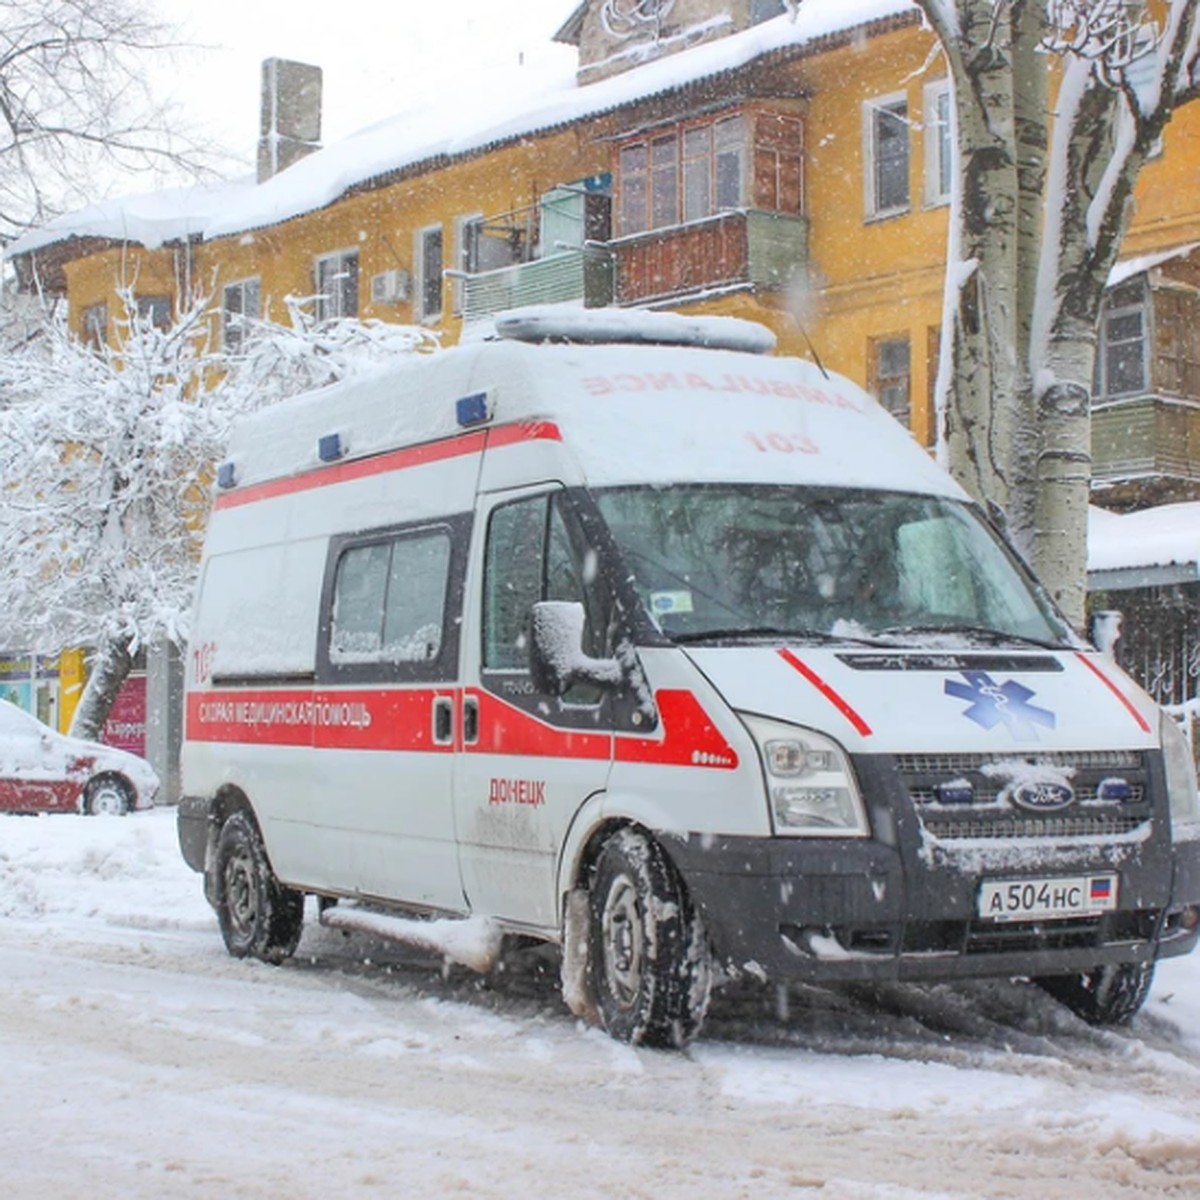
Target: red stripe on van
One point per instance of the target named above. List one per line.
(402, 719)
(1116, 691)
(834, 698)
(393, 460)
(378, 719)
(686, 736)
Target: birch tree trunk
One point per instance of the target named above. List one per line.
(1036, 226)
(110, 667)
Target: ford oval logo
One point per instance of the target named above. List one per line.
(1042, 796)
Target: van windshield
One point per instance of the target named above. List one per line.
(735, 561)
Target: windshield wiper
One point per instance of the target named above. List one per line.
(772, 632)
(984, 633)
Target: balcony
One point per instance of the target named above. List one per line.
(745, 247)
(570, 275)
(1147, 446)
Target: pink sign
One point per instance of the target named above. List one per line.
(126, 725)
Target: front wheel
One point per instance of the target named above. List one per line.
(259, 917)
(648, 959)
(1108, 995)
(107, 795)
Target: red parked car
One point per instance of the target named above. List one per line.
(44, 771)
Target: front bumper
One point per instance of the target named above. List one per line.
(904, 904)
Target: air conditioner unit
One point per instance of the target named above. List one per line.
(388, 287)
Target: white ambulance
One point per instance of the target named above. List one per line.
(619, 632)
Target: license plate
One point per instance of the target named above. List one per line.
(1047, 899)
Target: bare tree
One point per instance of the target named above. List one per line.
(76, 102)
(1058, 105)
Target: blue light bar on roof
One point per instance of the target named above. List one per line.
(330, 447)
(473, 409)
(226, 475)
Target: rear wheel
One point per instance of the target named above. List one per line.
(648, 959)
(1108, 995)
(259, 917)
(107, 795)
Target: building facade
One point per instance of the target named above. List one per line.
(792, 165)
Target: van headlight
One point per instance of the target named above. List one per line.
(1181, 773)
(811, 789)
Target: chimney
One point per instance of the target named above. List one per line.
(290, 126)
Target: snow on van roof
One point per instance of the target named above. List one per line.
(441, 130)
(623, 414)
(556, 323)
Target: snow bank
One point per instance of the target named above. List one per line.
(1162, 536)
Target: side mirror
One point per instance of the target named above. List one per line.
(1106, 631)
(557, 658)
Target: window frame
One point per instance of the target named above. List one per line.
(939, 143)
(233, 335)
(444, 667)
(334, 308)
(880, 383)
(422, 278)
(640, 181)
(93, 325)
(896, 106)
(1144, 308)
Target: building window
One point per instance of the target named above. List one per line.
(939, 143)
(239, 311)
(891, 366)
(95, 325)
(885, 152)
(155, 311)
(1121, 362)
(337, 285)
(702, 169)
(430, 267)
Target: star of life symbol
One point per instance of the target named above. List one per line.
(1006, 704)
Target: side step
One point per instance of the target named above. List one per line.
(470, 941)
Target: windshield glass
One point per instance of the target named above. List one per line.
(727, 561)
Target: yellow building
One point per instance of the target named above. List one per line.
(715, 156)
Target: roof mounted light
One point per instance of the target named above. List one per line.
(330, 447)
(593, 326)
(473, 409)
(226, 474)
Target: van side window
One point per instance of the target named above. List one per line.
(534, 552)
(390, 599)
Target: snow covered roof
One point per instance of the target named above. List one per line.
(150, 218)
(1158, 545)
(523, 104)
(1130, 267)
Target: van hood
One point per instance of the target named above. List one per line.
(893, 701)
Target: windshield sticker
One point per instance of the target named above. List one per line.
(1006, 704)
(664, 603)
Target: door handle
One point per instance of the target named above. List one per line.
(470, 720)
(443, 720)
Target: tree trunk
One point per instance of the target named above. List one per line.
(110, 667)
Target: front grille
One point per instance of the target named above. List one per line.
(1087, 825)
(959, 796)
(1081, 760)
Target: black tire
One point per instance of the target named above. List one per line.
(259, 917)
(1109, 995)
(649, 968)
(108, 795)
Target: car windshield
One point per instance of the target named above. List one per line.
(730, 561)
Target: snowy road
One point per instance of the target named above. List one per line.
(138, 1060)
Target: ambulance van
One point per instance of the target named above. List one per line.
(618, 631)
